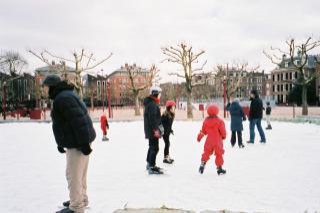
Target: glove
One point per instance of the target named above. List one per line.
(171, 132)
(61, 149)
(86, 149)
(156, 133)
(200, 136)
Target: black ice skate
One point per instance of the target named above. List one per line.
(168, 160)
(221, 171)
(155, 170)
(65, 210)
(269, 127)
(201, 168)
(241, 146)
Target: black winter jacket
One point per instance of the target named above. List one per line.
(256, 108)
(71, 124)
(167, 120)
(151, 116)
(268, 110)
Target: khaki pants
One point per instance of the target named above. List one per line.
(76, 173)
(268, 120)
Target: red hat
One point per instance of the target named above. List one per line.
(170, 103)
(212, 110)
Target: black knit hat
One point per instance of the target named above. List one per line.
(51, 80)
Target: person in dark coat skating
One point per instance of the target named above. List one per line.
(73, 131)
(153, 128)
(268, 115)
(167, 120)
(237, 116)
(255, 116)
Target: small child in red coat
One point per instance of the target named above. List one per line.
(104, 126)
(215, 130)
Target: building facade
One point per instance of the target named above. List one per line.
(284, 76)
(120, 83)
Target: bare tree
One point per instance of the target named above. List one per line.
(234, 76)
(82, 62)
(184, 56)
(134, 72)
(298, 53)
(11, 62)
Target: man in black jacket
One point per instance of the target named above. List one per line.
(153, 128)
(73, 131)
(255, 116)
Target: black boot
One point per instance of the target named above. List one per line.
(221, 171)
(201, 168)
(269, 127)
(155, 170)
(65, 210)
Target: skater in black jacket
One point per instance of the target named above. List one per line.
(153, 128)
(167, 120)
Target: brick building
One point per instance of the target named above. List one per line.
(120, 83)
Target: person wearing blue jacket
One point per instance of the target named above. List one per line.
(73, 131)
(237, 116)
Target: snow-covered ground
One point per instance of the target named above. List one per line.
(281, 176)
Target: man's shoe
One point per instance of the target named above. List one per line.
(241, 146)
(155, 170)
(66, 210)
(249, 141)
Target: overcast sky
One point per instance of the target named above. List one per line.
(228, 30)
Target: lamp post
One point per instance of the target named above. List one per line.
(102, 90)
(109, 98)
(4, 100)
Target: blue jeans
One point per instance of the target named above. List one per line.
(257, 122)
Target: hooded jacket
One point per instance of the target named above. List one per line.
(237, 116)
(256, 107)
(71, 124)
(215, 130)
(151, 116)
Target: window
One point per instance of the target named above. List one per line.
(286, 64)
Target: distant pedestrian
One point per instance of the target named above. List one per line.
(104, 126)
(268, 115)
(167, 120)
(73, 131)
(255, 116)
(153, 128)
(237, 116)
(215, 130)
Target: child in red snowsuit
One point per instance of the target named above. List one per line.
(215, 130)
(104, 126)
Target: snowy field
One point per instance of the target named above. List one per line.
(281, 176)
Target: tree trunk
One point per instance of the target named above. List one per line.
(189, 105)
(304, 99)
(136, 105)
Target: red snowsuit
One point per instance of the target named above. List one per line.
(215, 130)
(104, 124)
